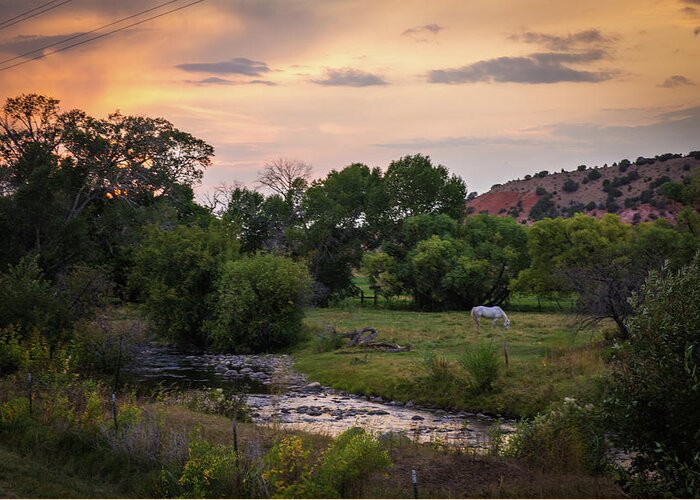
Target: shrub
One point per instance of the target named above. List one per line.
(175, 273)
(594, 175)
(483, 366)
(570, 185)
(659, 181)
(287, 468)
(28, 301)
(260, 300)
(440, 375)
(540, 191)
(581, 168)
(208, 471)
(655, 397)
(568, 438)
(11, 352)
(353, 456)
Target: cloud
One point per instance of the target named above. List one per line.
(423, 33)
(349, 77)
(671, 131)
(536, 68)
(23, 44)
(215, 80)
(568, 42)
(464, 141)
(675, 81)
(237, 65)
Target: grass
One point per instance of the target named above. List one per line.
(547, 359)
(26, 477)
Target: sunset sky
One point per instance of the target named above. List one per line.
(493, 90)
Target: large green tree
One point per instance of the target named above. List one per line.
(60, 170)
(602, 260)
(414, 186)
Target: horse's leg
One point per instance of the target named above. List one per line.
(494, 322)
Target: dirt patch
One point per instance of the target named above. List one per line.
(443, 474)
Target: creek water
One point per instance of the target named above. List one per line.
(278, 395)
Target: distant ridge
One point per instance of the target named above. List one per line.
(632, 189)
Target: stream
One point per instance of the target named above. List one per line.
(278, 395)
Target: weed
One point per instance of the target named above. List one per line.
(483, 366)
(567, 438)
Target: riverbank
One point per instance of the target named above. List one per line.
(50, 470)
(547, 359)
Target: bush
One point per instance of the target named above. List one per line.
(540, 191)
(28, 301)
(175, 274)
(483, 366)
(655, 397)
(440, 375)
(570, 185)
(568, 438)
(352, 457)
(594, 175)
(11, 352)
(260, 300)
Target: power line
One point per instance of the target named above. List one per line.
(101, 36)
(86, 32)
(33, 15)
(27, 12)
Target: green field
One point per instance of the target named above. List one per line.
(548, 359)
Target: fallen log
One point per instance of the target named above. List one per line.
(356, 337)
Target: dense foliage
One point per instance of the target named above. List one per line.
(259, 304)
(655, 397)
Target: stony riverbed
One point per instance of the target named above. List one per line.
(279, 395)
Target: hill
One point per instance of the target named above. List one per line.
(637, 191)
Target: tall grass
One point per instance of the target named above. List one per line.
(483, 366)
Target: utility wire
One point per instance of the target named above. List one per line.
(33, 15)
(101, 36)
(27, 12)
(86, 32)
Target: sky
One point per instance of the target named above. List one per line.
(492, 90)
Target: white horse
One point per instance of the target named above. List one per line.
(494, 313)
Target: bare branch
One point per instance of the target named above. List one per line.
(283, 174)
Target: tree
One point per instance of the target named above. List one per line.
(288, 178)
(602, 260)
(655, 385)
(414, 186)
(59, 172)
(340, 216)
(249, 211)
(457, 267)
(175, 272)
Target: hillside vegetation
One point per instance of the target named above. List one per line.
(639, 191)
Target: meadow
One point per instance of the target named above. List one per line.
(548, 358)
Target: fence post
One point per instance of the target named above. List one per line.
(30, 380)
(114, 412)
(375, 296)
(414, 480)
